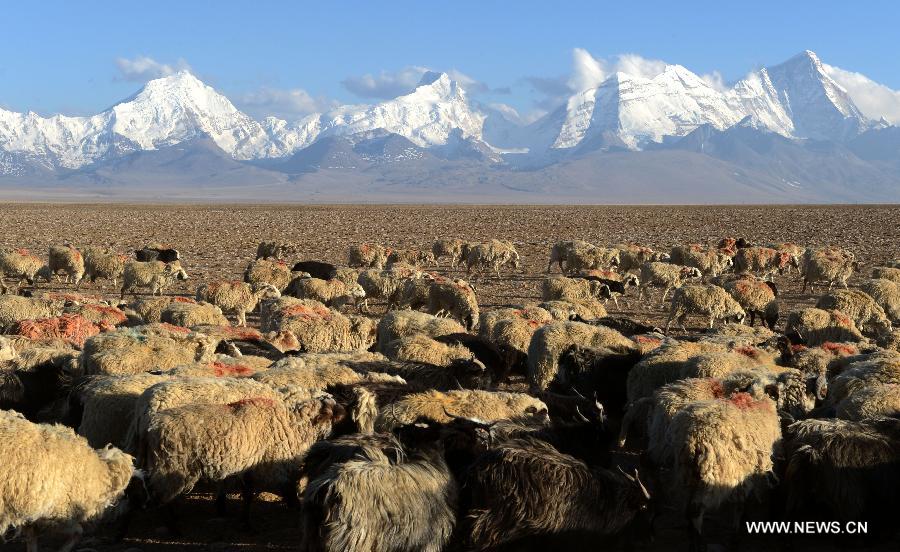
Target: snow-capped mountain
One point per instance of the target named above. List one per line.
(789, 130)
(796, 99)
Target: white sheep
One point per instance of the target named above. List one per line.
(709, 300)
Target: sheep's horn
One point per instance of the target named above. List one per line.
(644, 490)
(580, 415)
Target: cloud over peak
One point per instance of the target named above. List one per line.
(144, 68)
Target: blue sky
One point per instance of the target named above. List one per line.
(287, 57)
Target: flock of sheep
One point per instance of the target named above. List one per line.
(439, 425)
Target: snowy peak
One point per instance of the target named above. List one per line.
(818, 106)
(796, 99)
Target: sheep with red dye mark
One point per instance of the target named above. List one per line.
(67, 260)
(454, 298)
(145, 348)
(761, 261)
(72, 328)
(814, 326)
(858, 305)
(367, 255)
(756, 297)
(334, 292)
(829, 265)
(722, 450)
(633, 257)
(22, 266)
(262, 271)
(14, 309)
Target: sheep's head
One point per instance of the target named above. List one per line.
(174, 270)
(268, 291)
(600, 290)
(356, 291)
(770, 316)
(630, 280)
(691, 272)
(470, 373)
(7, 349)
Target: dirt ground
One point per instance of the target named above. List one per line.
(218, 241)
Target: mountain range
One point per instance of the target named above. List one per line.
(783, 134)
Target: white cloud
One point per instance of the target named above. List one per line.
(512, 114)
(590, 72)
(386, 85)
(638, 66)
(715, 80)
(873, 99)
(587, 71)
(143, 68)
(289, 104)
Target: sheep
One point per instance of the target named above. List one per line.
(411, 293)
(259, 440)
(663, 365)
(149, 308)
(276, 250)
(709, 262)
(72, 328)
(761, 261)
(863, 372)
(618, 284)
(397, 324)
(511, 330)
(52, 477)
(564, 310)
(722, 450)
(794, 252)
(324, 370)
(560, 251)
(14, 308)
(262, 271)
(573, 290)
(440, 406)
(173, 391)
(354, 506)
(757, 298)
(844, 470)
(382, 284)
(580, 259)
(526, 488)
(422, 348)
(236, 298)
(886, 294)
(367, 256)
(157, 252)
(155, 275)
(102, 264)
(709, 300)
(633, 257)
(415, 257)
(814, 326)
(103, 315)
(859, 306)
(829, 265)
(68, 260)
(665, 275)
(450, 248)
(333, 293)
(144, 348)
(316, 269)
(107, 405)
(454, 298)
(186, 315)
(891, 273)
(870, 402)
(21, 265)
(319, 329)
(820, 360)
(492, 256)
(548, 343)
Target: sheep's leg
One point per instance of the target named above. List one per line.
(247, 496)
(31, 540)
(242, 318)
(74, 531)
(665, 292)
(669, 321)
(712, 322)
(695, 526)
(221, 500)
